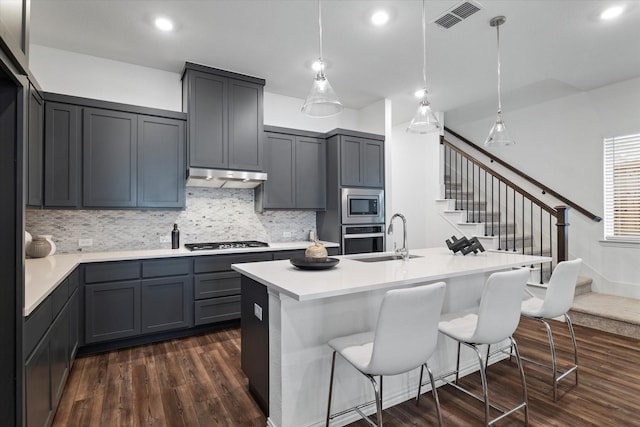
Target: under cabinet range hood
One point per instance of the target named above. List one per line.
(218, 178)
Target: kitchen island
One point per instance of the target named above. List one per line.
(302, 310)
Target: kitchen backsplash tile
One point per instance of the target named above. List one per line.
(211, 215)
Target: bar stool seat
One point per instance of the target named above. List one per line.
(494, 321)
(405, 337)
(556, 303)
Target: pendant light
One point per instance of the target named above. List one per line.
(424, 121)
(322, 100)
(498, 135)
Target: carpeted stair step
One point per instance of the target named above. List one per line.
(610, 313)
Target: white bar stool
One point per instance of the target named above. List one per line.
(557, 302)
(495, 321)
(405, 337)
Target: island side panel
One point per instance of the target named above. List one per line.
(300, 359)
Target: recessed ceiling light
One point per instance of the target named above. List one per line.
(380, 18)
(163, 24)
(612, 12)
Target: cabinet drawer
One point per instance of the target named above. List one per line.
(213, 263)
(216, 285)
(166, 267)
(217, 310)
(36, 325)
(59, 297)
(112, 271)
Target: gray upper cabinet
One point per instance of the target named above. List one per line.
(100, 154)
(361, 162)
(161, 163)
(109, 146)
(225, 113)
(62, 155)
(280, 189)
(296, 166)
(35, 144)
(14, 31)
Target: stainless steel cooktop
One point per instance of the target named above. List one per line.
(225, 245)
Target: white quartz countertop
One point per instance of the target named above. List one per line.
(43, 275)
(352, 276)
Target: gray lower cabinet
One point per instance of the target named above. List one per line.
(217, 286)
(109, 145)
(112, 311)
(296, 166)
(62, 155)
(167, 303)
(50, 345)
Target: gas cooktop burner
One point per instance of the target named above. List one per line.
(225, 245)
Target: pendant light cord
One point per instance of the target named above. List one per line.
(424, 47)
(320, 35)
(499, 91)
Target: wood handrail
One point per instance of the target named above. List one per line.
(502, 178)
(540, 185)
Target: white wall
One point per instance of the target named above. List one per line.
(87, 76)
(560, 144)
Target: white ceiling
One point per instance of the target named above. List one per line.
(549, 48)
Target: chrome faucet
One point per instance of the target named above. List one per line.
(404, 252)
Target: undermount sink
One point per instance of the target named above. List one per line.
(384, 258)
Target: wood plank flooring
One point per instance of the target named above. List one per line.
(198, 381)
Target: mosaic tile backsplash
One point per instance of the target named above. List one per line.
(211, 215)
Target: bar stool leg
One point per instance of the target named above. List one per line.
(554, 368)
(483, 377)
(420, 384)
(376, 390)
(458, 363)
(333, 365)
(573, 340)
(523, 380)
(434, 391)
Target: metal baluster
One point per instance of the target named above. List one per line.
(467, 192)
(541, 243)
(514, 222)
(486, 194)
(473, 192)
(506, 215)
(492, 208)
(531, 228)
(523, 224)
(499, 217)
(551, 242)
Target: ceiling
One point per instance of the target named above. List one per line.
(548, 48)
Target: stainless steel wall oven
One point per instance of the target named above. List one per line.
(357, 239)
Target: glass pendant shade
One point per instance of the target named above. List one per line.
(424, 121)
(322, 100)
(498, 135)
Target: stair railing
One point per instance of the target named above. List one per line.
(520, 221)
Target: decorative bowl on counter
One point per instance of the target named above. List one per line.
(316, 253)
(305, 264)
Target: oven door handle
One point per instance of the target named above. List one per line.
(362, 236)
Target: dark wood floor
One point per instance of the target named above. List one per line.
(197, 381)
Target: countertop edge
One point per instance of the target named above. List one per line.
(57, 271)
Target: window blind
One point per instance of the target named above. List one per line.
(622, 188)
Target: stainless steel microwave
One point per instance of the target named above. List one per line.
(362, 206)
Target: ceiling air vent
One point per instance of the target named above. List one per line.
(457, 13)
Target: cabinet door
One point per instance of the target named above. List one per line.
(208, 122)
(59, 338)
(109, 158)
(38, 406)
(74, 325)
(61, 155)
(112, 310)
(246, 131)
(351, 161)
(35, 144)
(310, 178)
(279, 189)
(161, 164)
(373, 163)
(167, 304)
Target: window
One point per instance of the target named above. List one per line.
(622, 188)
